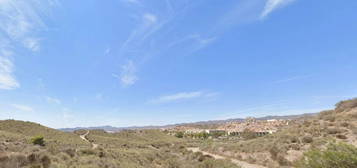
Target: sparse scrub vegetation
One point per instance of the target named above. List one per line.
(179, 134)
(247, 134)
(126, 149)
(153, 148)
(336, 155)
(307, 139)
(289, 144)
(346, 105)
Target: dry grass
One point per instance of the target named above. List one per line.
(127, 149)
(308, 133)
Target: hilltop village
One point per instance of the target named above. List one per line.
(249, 127)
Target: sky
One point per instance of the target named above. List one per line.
(66, 63)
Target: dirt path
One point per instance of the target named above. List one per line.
(243, 164)
(84, 137)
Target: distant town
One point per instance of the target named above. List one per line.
(248, 127)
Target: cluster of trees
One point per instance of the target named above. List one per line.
(200, 135)
(246, 134)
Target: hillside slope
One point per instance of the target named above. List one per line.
(27, 130)
(127, 149)
(287, 146)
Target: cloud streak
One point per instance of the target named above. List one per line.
(22, 107)
(272, 5)
(293, 78)
(127, 75)
(182, 96)
(20, 22)
(53, 100)
(7, 79)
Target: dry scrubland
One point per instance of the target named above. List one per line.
(127, 149)
(326, 141)
(308, 135)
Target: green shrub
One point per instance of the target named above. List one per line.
(179, 134)
(203, 135)
(217, 134)
(38, 140)
(339, 155)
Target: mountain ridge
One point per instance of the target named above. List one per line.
(109, 128)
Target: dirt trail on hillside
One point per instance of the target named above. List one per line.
(84, 137)
(240, 163)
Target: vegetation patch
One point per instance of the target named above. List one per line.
(336, 155)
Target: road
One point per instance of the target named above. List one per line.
(240, 163)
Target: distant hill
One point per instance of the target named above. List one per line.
(205, 124)
(95, 148)
(27, 130)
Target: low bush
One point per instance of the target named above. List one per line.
(88, 152)
(345, 105)
(341, 136)
(333, 130)
(307, 139)
(179, 134)
(248, 134)
(71, 152)
(294, 139)
(339, 155)
(38, 140)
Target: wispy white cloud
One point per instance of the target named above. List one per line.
(293, 78)
(7, 78)
(154, 34)
(32, 44)
(148, 23)
(132, 1)
(20, 22)
(150, 18)
(22, 107)
(53, 100)
(272, 5)
(127, 75)
(182, 96)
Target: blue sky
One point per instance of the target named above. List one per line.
(134, 62)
